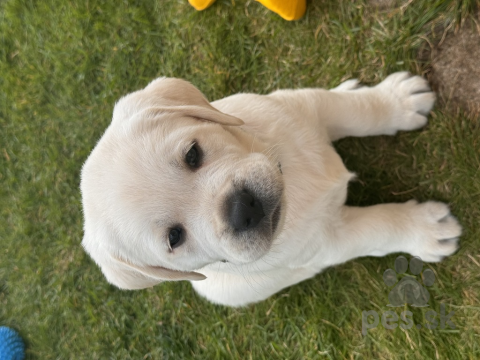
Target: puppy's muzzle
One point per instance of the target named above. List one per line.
(244, 211)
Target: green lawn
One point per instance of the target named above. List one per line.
(63, 64)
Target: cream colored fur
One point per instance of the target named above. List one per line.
(135, 187)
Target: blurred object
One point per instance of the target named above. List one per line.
(287, 9)
(201, 4)
(11, 345)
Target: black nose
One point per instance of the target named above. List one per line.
(244, 212)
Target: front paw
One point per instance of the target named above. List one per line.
(435, 231)
(410, 97)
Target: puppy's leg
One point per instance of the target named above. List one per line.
(400, 102)
(427, 230)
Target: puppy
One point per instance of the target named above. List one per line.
(245, 196)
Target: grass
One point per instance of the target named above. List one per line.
(64, 64)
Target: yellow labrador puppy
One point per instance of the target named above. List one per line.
(245, 196)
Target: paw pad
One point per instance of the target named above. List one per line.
(408, 290)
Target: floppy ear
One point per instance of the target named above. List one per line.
(198, 112)
(129, 276)
(169, 95)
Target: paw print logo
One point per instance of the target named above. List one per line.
(408, 290)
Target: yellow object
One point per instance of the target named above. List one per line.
(201, 4)
(287, 9)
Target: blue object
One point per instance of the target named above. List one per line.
(11, 345)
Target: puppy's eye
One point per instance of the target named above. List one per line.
(175, 237)
(193, 156)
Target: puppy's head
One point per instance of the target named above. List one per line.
(174, 185)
